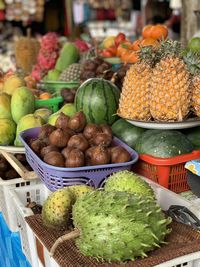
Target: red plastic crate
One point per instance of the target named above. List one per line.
(168, 172)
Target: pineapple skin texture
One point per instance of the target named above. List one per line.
(134, 101)
(170, 97)
(196, 95)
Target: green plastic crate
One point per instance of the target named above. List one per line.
(51, 103)
(56, 86)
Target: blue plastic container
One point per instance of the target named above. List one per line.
(11, 254)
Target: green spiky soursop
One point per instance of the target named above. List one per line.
(72, 73)
(129, 182)
(56, 210)
(118, 226)
(79, 190)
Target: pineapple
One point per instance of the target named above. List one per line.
(135, 95)
(193, 62)
(72, 73)
(170, 97)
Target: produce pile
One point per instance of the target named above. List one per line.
(120, 223)
(74, 143)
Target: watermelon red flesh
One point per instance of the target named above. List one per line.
(98, 99)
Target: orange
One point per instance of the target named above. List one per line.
(130, 57)
(149, 42)
(136, 45)
(123, 47)
(146, 32)
(159, 32)
(45, 96)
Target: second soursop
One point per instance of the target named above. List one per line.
(118, 226)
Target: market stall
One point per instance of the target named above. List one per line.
(99, 141)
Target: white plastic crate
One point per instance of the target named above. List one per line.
(27, 178)
(38, 193)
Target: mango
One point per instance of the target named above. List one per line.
(68, 109)
(27, 122)
(22, 103)
(44, 113)
(7, 132)
(11, 84)
(5, 108)
(52, 75)
(108, 42)
(69, 54)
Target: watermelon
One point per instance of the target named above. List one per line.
(193, 135)
(127, 132)
(98, 99)
(163, 143)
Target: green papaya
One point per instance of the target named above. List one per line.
(22, 103)
(69, 54)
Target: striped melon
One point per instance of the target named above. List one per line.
(98, 99)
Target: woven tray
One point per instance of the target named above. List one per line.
(182, 241)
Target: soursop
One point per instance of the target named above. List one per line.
(129, 182)
(72, 73)
(79, 190)
(57, 208)
(118, 226)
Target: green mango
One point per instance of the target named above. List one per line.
(5, 108)
(52, 75)
(69, 54)
(7, 133)
(68, 109)
(27, 122)
(44, 113)
(22, 103)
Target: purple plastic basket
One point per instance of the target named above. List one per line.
(58, 177)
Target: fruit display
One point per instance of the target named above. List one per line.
(102, 219)
(98, 99)
(163, 143)
(166, 85)
(7, 172)
(71, 73)
(73, 143)
(119, 46)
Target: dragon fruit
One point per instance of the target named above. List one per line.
(49, 42)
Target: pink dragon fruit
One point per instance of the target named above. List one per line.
(49, 42)
(47, 61)
(37, 72)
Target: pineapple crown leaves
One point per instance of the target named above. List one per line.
(192, 60)
(152, 55)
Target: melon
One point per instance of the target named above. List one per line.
(98, 99)
(163, 143)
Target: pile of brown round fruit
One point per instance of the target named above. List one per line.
(74, 143)
(96, 68)
(6, 170)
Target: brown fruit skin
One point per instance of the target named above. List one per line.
(77, 122)
(75, 158)
(59, 138)
(21, 157)
(68, 95)
(101, 139)
(90, 130)
(97, 155)
(119, 155)
(46, 130)
(106, 129)
(45, 150)
(78, 141)
(11, 174)
(55, 158)
(62, 121)
(37, 145)
(66, 150)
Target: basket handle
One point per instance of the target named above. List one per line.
(17, 165)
